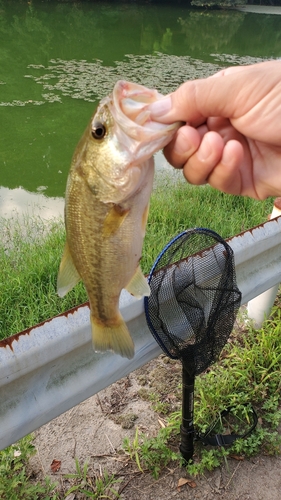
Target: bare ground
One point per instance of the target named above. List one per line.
(94, 431)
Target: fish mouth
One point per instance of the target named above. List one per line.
(129, 107)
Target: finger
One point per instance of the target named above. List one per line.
(224, 127)
(226, 176)
(200, 165)
(184, 145)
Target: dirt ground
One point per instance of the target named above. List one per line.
(94, 431)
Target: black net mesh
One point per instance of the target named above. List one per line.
(194, 298)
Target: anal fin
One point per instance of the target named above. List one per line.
(138, 285)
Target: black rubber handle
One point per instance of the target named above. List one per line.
(187, 427)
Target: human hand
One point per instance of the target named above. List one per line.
(232, 133)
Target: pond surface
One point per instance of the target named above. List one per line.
(58, 59)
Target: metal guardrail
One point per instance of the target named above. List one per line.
(51, 367)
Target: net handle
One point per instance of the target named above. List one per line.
(187, 431)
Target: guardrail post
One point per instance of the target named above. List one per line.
(259, 308)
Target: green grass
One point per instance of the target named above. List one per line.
(29, 260)
(15, 481)
(249, 373)
(182, 206)
(90, 485)
(30, 255)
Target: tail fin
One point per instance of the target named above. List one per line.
(115, 337)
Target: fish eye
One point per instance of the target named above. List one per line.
(98, 130)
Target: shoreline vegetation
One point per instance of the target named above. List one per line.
(177, 2)
(224, 4)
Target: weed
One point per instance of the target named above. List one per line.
(158, 405)
(209, 460)
(156, 454)
(15, 483)
(90, 485)
(151, 453)
(133, 449)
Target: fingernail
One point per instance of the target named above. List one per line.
(205, 150)
(160, 108)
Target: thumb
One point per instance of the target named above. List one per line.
(193, 102)
(229, 94)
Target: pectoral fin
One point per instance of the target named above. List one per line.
(138, 285)
(68, 276)
(114, 220)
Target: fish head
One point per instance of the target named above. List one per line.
(136, 130)
(100, 160)
(119, 141)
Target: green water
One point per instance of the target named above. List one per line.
(58, 59)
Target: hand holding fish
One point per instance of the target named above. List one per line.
(232, 136)
(106, 209)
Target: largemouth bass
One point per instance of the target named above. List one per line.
(106, 209)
